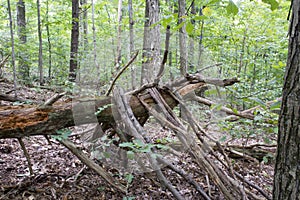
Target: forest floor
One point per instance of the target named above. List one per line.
(58, 174)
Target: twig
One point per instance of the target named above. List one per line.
(26, 155)
(251, 146)
(185, 176)
(120, 72)
(53, 99)
(205, 68)
(162, 65)
(142, 88)
(91, 164)
(208, 185)
(252, 185)
(223, 108)
(4, 61)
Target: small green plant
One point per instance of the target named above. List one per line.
(139, 147)
(128, 198)
(62, 134)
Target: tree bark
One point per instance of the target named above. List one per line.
(182, 37)
(74, 40)
(287, 168)
(119, 38)
(40, 43)
(49, 41)
(13, 59)
(131, 44)
(151, 43)
(21, 21)
(20, 121)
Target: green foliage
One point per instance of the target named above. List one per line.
(231, 8)
(137, 146)
(128, 198)
(264, 126)
(62, 134)
(273, 3)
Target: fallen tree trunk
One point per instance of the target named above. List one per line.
(30, 120)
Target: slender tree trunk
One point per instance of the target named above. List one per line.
(119, 37)
(200, 39)
(40, 44)
(49, 41)
(74, 41)
(182, 37)
(131, 44)
(21, 21)
(287, 167)
(84, 20)
(191, 42)
(95, 44)
(151, 43)
(12, 47)
(242, 52)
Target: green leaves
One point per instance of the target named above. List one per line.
(273, 3)
(231, 8)
(189, 27)
(62, 134)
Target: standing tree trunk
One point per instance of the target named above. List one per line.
(182, 37)
(131, 43)
(287, 168)
(74, 41)
(12, 47)
(95, 46)
(200, 38)
(40, 43)
(151, 44)
(84, 8)
(49, 41)
(191, 42)
(119, 38)
(21, 21)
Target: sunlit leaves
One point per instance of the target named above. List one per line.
(231, 8)
(273, 3)
(189, 27)
(207, 11)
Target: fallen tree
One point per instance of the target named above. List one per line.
(134, 108)
(45, 119)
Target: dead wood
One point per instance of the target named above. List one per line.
(2, 63)
(223, 108)
(9, 98)
(186, 176)
(134, 108)
(195, 151)
(227, 183)
(136, 130)
(120, 72)
(29, 120)
(26, 155)
(91, 164)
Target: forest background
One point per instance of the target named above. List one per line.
(243, 39)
